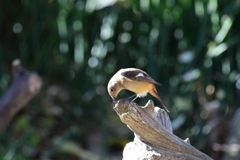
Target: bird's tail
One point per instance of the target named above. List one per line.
(155, 94)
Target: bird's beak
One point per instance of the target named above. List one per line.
(114, 99)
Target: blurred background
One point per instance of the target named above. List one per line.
(190, 47)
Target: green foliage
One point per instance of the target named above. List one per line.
(21, 123)
(190, 47)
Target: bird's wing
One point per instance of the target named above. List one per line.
(138, 75)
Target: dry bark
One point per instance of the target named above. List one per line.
(154, 138)
(232, 148)
(25, 85)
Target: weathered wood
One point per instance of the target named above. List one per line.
(154, 138)
(232, 148)
(25, 85)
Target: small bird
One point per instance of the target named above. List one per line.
(134, 80)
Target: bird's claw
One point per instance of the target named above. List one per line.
(122, 100)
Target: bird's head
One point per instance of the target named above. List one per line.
(114, 87)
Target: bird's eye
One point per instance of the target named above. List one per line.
(111, 89)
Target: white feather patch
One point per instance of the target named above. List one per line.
(141, 95)
(140, 75)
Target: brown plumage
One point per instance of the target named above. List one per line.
(134, 80)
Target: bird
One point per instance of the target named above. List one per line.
(134, 80)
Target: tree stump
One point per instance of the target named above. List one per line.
(154, 139)
(25, 85)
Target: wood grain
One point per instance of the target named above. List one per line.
(154, 138)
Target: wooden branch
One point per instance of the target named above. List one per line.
(154, 138)
(25, 85)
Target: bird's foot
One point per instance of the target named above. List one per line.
(126, 99)
(122, 100)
